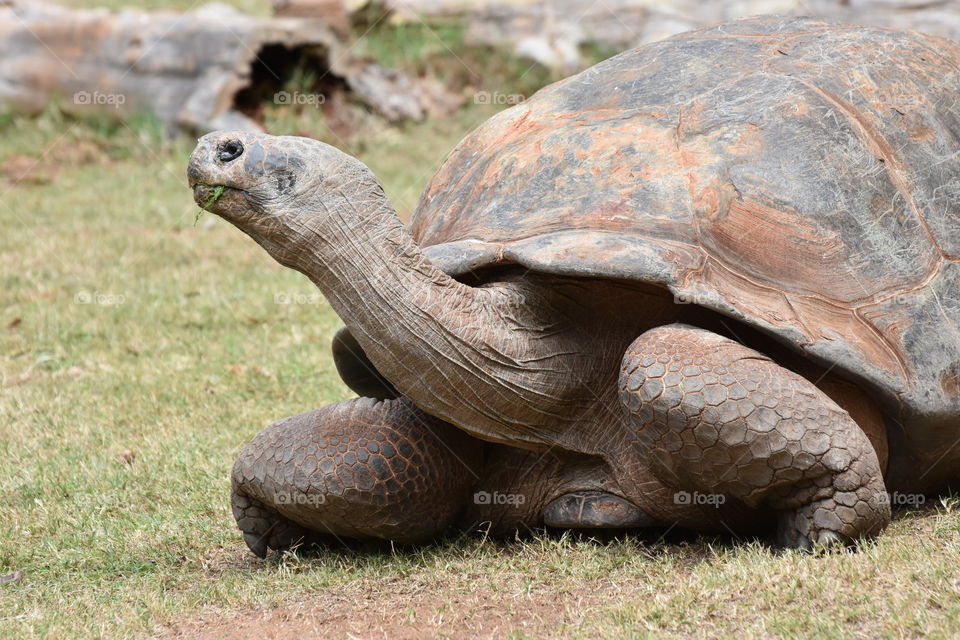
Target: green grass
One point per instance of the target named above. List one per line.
(124, 328)
(139, 352)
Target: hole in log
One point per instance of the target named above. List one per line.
(302, 72)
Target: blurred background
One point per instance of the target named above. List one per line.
(141, 345)
(352, 72)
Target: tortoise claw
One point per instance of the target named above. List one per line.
(811, 541)
(264, 529)
(833, 540)
(256, 544)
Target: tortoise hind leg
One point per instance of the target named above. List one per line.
(716, 417)
(356, 469)
(595, 510)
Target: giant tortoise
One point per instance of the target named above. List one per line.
(712, 282)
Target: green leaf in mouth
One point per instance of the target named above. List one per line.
(217, 192)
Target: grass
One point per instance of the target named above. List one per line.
(138, 353)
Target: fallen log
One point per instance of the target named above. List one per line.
(552, 31)
(212, 68)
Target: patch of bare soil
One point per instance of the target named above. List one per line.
(26, 169)
(400, 611)
(37, 170)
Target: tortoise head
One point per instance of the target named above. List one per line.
(267, 185)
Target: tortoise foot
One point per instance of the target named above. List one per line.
(797, 530)
(358, 469)
(264, 529)
(836, 521)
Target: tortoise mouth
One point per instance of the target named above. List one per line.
(206, 195)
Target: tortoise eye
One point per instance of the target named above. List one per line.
(230, 151)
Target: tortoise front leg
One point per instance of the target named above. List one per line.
(362, 468)
(716, 417)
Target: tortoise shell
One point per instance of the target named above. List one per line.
(796, 175)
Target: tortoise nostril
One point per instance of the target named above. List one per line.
(230, 151)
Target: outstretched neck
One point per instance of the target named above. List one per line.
(433, 337)
(361, 256)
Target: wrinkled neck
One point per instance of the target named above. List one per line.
(364, 260)
(421, 328)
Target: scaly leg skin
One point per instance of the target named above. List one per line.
(362, 468)
(716, 417)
